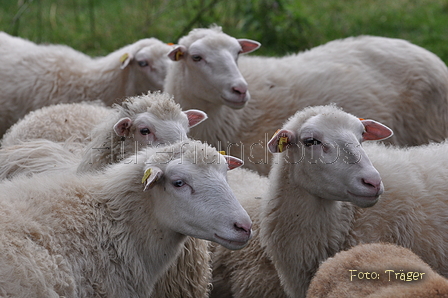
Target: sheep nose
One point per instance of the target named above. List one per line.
(240, 90)
(373, 182)
(243, 228)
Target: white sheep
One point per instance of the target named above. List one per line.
(109, 235)
(319, 186)
(152, 119)
(33, 76)
(58, 123)
(390, 80)
(377, 270)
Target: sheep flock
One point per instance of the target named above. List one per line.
(200, 170)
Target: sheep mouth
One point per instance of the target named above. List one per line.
(231, 244)
(234, 104)
(364, 201)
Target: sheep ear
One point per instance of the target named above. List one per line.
(248, 45)
(280, 140)
(125, 59)
(151, 176)
(177, 53)
(195, 117)
(233, 162)
(375, 131)
(122, 127)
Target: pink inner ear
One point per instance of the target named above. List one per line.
(375, 131)
(121, 128)
(177, 53)
(233, 162)
(248, 45)
(195, 117)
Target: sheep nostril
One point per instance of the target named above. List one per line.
(376, 184)
(239, 90)
(246, 229)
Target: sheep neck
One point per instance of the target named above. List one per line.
(307, 228)
(134, 253)
(221, 129)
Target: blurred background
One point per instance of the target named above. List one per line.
(98, 27)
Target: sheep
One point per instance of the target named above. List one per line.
(320, 187)
(377, 270)
(151, 119)
(37, 75)
(107, 235)
(156, 112)
(390, 80)
(57, 123)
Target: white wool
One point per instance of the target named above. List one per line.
(102, 235)
(390, 80)
(190, 275)
(308, 213)
(35, 75)
(58, 123)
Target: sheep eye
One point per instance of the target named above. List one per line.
(145, 131)
(196, 58)
(178, 183)
(311, 141)
(142, 63)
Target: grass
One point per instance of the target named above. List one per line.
(98, 27)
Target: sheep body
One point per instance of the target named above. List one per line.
(299, 227)
(57, 123)
(334, 277)
(190, 274)
(102, 235)
(35, 75)
(390, 80)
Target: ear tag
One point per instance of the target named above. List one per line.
(222, 152)
(146, 175)
(178, 55)
(170, 44)
(124, 57)
(281, 143)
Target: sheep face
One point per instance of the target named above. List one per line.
(328, 159)
(148, 63)
(196, 200)
(210, 67)
(147, 128)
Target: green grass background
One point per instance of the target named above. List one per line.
(97, 27)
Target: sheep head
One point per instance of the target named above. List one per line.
(323, 147)
(148, 65)
(188, 182)
(208, 58)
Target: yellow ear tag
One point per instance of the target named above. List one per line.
(124, 57)
(222, 152)
(281, 143)
(146, 175)
(178, 55)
